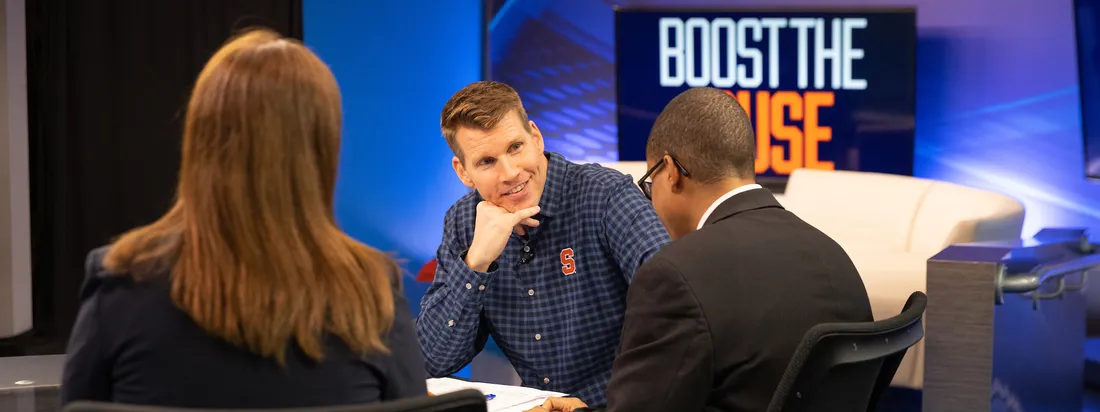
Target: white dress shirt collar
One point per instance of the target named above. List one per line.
(729, 194)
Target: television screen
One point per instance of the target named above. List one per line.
(1087, 16)
(825, 89)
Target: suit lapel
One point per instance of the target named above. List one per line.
(741, 202)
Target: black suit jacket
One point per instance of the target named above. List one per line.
(713, 319)
(131, 344)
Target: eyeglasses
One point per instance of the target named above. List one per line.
(647, 186)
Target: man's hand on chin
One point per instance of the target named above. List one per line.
(491, 231)
(559, 404)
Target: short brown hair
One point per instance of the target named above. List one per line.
(708, 132)
(480, 105)
(252, 247)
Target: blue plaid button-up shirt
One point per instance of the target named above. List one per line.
(554, 302)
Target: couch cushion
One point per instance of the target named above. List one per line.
(854, 207)
(890, 278)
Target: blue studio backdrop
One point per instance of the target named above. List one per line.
(397, 63)
(997, 102)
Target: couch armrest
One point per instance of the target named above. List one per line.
(951, 214)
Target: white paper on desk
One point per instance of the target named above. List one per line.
(523, 407)
(507, 398)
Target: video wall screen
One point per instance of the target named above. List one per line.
(824, 89)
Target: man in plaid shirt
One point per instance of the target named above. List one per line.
(539, 256)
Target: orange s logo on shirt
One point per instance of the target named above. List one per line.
(568, 265)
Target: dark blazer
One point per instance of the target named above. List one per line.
(131, 344)
(713, 318)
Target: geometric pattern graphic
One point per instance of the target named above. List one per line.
(568, 91)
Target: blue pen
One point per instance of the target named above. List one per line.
(490, 397)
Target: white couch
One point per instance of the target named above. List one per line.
(890, 225)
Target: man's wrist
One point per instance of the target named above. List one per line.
(476, 265)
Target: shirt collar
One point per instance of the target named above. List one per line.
(723, 198)
(556, 170)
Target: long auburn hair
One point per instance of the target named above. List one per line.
(251, 243)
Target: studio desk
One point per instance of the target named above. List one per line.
(1005, 324)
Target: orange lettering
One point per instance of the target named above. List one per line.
(763, 134)
(816, 133)
(773, 111)
(782, 131)
(745, 99)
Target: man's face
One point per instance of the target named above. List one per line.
(670, 205)
(505, 164)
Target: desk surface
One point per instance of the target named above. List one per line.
(21, 372)
(32, 384)
(36, 399)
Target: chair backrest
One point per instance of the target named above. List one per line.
(467, 400)
(847, 366)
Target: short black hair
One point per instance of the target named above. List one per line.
(708, 132)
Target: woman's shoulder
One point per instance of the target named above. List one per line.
(98, 279)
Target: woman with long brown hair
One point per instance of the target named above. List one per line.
(246, 294)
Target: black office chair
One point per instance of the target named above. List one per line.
(845, 367)
(467, 400)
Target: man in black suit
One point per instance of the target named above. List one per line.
(713, 318)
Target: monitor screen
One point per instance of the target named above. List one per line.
(1087, 16)
(825, 89)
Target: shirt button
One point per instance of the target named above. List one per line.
(450, 323)
(469, 286)
(482, 287)
(526, 248)
(545, 380)
(530, 292)
(538, 336)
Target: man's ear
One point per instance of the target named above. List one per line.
(536, 134)
(460, 171)
(675, 179)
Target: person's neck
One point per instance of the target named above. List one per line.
(705, 195)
